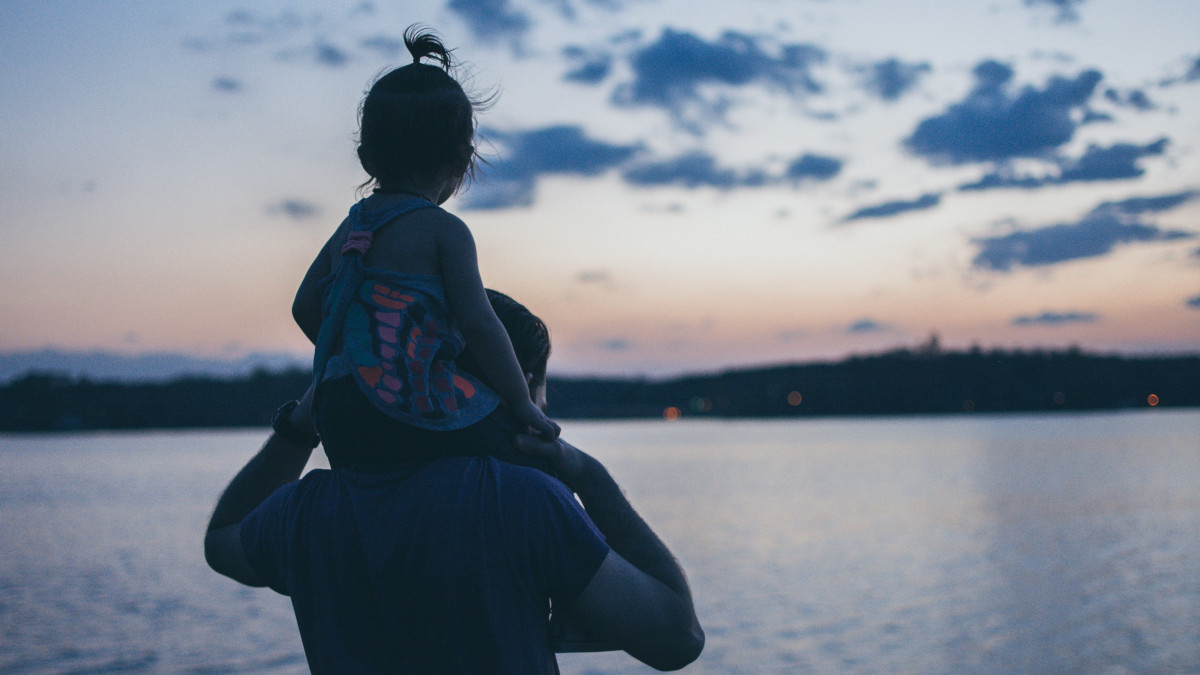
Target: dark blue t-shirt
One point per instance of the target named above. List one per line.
(442, 567)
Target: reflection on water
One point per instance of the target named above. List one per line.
(1092, 547)
(999, 544)
(924, 545)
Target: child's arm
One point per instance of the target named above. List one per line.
(485, 335)
(306, 308)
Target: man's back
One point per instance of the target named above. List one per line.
(448, 566)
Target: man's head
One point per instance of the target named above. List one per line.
(530, 339)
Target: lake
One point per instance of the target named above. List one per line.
(966, 544)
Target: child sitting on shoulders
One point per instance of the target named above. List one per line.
(395, 296)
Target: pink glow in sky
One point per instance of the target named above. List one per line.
(674, 186)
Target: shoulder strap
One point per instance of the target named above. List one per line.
(377, 218)
(349, 274)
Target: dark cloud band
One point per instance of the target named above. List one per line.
(1055, 318)
(994, 124)
(526, 155)
(1097, 234)
(888, 209)
(1115, 162)
(670, 72)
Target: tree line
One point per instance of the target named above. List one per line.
(926, 380)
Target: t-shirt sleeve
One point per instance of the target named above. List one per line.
(264, 538)
(566, 549)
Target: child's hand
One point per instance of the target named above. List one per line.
(535, 419)
(567, 462)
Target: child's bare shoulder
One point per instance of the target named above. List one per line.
(444, 225)
(438, 217)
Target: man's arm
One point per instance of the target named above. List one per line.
(639, 598)
(279, 462)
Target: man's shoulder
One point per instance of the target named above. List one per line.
(282, 501)
(455, 465)
(486, 479)
(527, 479)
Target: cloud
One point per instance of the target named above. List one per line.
(329, 55)
(817, 167)
(890, 79)
(567, 8)
(243, 28)
(141, 367)
(1004, 178)
(615, 345)
(1133, 98)
(670, 72)
(1193, 302)
(226, 84)
(866, 326)
(587, 67)
(248, 28)
(887, 209)
(1054, 318)
(387, 45)
(1116, 162)
(692, 170)
(526, 155)
(1098, 233)
(295, 209)
(1192, 74)
(1066, 8)
(594, 277)
(1138, 205)
(239, 17)
(491, 21)
(992, 124)
(700, 169)
(319, 51)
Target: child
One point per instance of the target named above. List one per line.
(406, 297)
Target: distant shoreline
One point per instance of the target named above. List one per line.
(899, 382)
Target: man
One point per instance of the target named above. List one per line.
(452, 566)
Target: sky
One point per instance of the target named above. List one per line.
(673, 185)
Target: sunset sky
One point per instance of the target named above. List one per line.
(674, 185)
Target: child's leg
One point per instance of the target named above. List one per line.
(353, 431)
(493, 436)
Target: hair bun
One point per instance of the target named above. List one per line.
(423, 42)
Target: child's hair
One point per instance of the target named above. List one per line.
(416, 120)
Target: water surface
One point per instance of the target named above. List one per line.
(1054, 543)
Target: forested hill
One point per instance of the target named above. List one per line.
(926, 381)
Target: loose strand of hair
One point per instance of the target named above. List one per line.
(422, 42)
